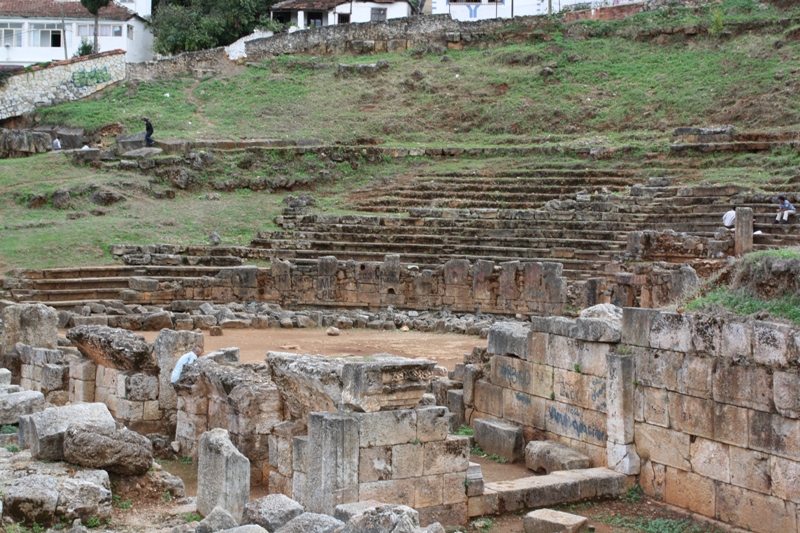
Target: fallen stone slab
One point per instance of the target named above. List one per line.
(114, 348)
(347, 511)
(552, 489)
(32, 499)
(43, 432)
(249, 528)
(223, 475)
(17, 404)
(312, 523)
(550, 521)
(120, 451)
(499, 437)
(217, 520)
(549, 456)
(272, 512)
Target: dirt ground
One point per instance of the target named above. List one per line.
(446, 349)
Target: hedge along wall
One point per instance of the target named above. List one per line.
(705, 409)
(60, 81)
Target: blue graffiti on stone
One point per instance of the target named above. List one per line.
(95, 76)
(515, 376)
(523, 398)
(580, 428)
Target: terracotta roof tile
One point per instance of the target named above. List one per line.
(55, 9)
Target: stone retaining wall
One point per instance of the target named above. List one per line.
(461, 286)
(705, 409)
(60, 81)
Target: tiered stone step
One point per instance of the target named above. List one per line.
(64, 288)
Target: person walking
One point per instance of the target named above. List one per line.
(784, 210)
(148, 132)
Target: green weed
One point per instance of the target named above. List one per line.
(166, 497)
(192, 517)
(482, 524)
(634, 494)
(476, 450)
(464, 430)
(185, 460)
(742, 303)
(92, 522)
(8, 429)
(13, 448)
(656, 525)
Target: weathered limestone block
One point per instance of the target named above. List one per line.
(550, 521)
(387, 382)
(346, 511)
(690, 491)
(499, 437)
(307, 383)
(168, 347)
(387, 428)
(509, 338)
(332, 460)
(663, 446)
(771, 344)
(786, 388)
(550, 456)
(743, 385)
(79, 498)
(45, 430)
(312, 523)
(672, 331)
(447, 456)
(394, 518)
(223, 475)
(55, 377)
(114, 348)
(17, 404)
(120, 451)
(32, 499)
(619, 398)
(636, 325)
(32, 324)
(755, 512)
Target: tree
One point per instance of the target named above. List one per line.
(93, 7)
(187, 25)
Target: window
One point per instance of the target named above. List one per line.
(85, 31)
(343, 18)
(46, 35)
(104, 30)
(130, 32)
(11, 34)
(378, 14)
(116, 31)
(315, 20)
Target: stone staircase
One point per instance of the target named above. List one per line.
(577, 214)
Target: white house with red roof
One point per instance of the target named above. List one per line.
(38, 31)
(315, 13)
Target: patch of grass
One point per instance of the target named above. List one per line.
(464, 430)
(185, 460)
(656, 525)
(476, 450)
(192, 517)
(8, 429)
(742, 303)
(92, 522)
(13, 448)
(634, 494)
(166, 497)
(482, 524)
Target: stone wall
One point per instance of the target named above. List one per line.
(705, 409)
(717, 415)
(61, 81)
(393, 35)
(198, 63)
(461, 286)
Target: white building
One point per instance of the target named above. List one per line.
(491, 9)
(38, 31)
(315, 13)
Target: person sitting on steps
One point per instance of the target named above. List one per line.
(784, 210)
(729, 218)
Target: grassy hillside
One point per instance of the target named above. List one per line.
(606, 89)
(608, 84)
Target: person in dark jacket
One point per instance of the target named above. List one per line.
(148, 132)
